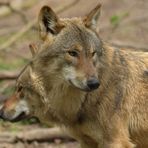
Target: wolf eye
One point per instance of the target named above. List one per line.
(93, 53)
(73, 53)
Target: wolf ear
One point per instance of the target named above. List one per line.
(91, 19)
(33, 48)
(48, 22)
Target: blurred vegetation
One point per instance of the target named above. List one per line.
(116, 19)
(15, 64)
(17, 126)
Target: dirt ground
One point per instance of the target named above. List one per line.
(122, 23)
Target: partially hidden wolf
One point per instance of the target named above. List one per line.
(74, 79)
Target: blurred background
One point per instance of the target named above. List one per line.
(123, 23)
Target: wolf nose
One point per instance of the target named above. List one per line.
(93, 83)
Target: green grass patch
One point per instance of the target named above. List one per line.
(29, 121)
(8, 126)
(8, 91)
(117, 18)
(10, 65)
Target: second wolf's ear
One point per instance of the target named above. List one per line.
(33, 48)
(91, 19)
(48, 22)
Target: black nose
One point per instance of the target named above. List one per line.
(93, 83)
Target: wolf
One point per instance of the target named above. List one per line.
(75, 80)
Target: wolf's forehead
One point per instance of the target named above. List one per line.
(78, 33)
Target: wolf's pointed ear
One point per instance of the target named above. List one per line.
(33, 48)
(91, 19)
(48, 22)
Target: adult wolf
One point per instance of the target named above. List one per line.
(99, 93)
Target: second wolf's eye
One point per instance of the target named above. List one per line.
(73, 53)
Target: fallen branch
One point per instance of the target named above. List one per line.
(10, 75)
(4, 3)
(42, 135)
(39, 135)
(15, 37)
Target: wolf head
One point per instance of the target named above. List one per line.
(71, 48)
(69, 54)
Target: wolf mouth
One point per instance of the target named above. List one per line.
(20, 117)
(86, 89)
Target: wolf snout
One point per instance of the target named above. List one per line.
(21, 116)
(2, 115)
(12, 118)
(93, 83)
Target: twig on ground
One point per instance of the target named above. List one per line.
(8, 75)
(39, 135)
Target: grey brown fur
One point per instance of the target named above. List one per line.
(53, 86)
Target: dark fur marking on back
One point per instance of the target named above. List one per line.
(118, 97)
(122, 76)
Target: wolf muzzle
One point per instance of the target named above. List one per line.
(93, 83)
(21, 116)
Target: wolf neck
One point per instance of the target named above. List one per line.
(65, 102)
